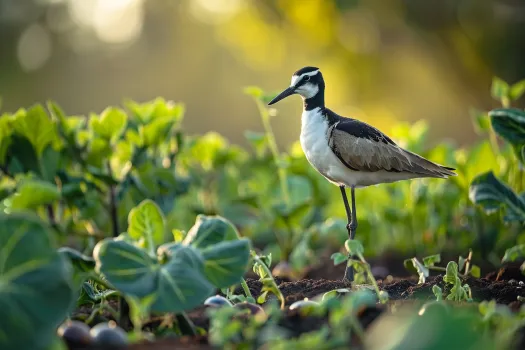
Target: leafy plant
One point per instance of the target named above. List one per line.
(180, 275)
(361, 266)
(423, 269)
(36, 291)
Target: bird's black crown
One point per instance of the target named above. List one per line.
(305, 70)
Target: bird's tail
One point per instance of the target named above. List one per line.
(425, 167)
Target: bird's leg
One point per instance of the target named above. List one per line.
(353, 222)
(349, 273)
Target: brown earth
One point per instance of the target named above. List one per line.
(503, 285)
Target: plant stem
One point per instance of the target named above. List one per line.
(265, 116)
(245, 288)
(51, 215)
(369, 273)
(185, 325)
(467, 262)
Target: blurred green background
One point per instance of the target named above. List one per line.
(384, 61)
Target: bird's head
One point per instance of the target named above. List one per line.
(307, 82)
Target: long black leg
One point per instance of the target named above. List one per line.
(349, 272)
(353, 222)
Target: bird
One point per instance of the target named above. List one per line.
(348, 152)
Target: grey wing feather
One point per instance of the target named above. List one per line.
(368, 154)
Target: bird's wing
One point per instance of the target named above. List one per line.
(362, 147)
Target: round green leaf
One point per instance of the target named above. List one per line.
(31, 194)
(35, 284)
(225, 263)
(110, 125)
(178, 284)
(146, 223)
(490, 193)
(128, 268)
(181, 284)
(210, 230)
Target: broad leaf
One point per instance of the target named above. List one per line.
(178, 284)
(146, 224)
(431, 260)
(181, 284)
(452, 273)
(36, 126)
(491, 194)
(128, 268)
(354, 247)
(499, 89)
(339, 258)
(5, 135)
(514, 253)
(225, 263)
(421, 269)
(156, 131)
(209, 230)
(35, 284)
(110, 125)
(509, 123)
(31, 194)
(517, 90)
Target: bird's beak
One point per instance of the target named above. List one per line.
(289, 91)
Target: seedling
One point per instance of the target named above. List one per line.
(261, 268)
(423, 269)
(361, 266)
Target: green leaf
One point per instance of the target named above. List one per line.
(146, 224)
(475, 271)
(499, 89)
(36, 127)
(36, 293)
(421, 269)
(49, 164)
(156, 131)
(79, 261)
(128, 268)
(31, 194)
(514, 253)
(452, 273)
(517, 90)
(209, 230)
(354, 247)
(491, 194)
(5, 135)
(339, 258)
(481, 120)
(509, 123)
(225, 263)
(177, 284)
(181, 284)
(110, 124)
(437, 292)
(431, 260)
(148, 111)
(254, 91)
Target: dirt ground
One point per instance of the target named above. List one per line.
(504, 285)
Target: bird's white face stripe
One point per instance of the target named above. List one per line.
(296, 78)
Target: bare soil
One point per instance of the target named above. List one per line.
(504, 285)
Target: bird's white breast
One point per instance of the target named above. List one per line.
(314, 141)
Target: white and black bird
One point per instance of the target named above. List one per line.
(349, 152)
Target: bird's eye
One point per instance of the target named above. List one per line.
(306, 78)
